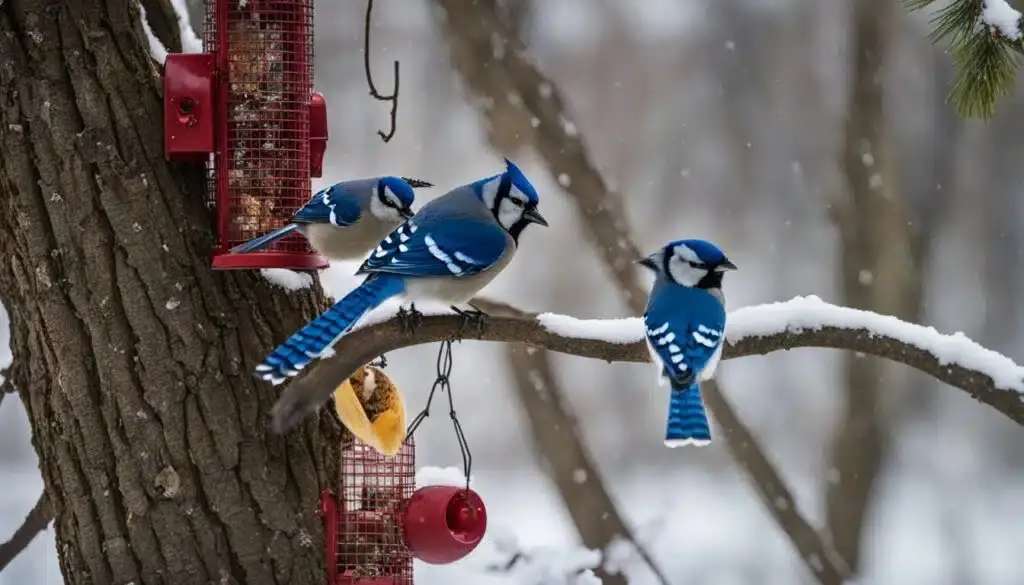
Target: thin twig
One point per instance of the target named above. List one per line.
(393, 98)
(560, 429)
(555, 430)
(816, 551)
(36, 521)
(475, 24)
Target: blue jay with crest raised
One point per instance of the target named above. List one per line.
(347, 219)
(685, 328)
(453, 247)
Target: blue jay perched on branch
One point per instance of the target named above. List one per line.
(346, 219)
(685, 326)
(453, 247)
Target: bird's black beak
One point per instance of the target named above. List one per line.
(533, 216)
(406, 212)
(725, 265)
(648, 262)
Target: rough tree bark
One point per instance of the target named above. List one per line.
(131, 355)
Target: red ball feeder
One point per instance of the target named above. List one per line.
(443, 523)
(377, 523)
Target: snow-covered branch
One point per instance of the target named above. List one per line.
(986, 375)
(37, 520)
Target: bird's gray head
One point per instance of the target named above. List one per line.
(511, 198)
(392, 198)
(693, 263)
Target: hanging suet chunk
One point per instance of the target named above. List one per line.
(371, 408)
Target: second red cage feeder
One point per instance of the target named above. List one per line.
(377, 523)
(248, 102)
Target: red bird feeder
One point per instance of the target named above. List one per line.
(246, 108)
(377, 524)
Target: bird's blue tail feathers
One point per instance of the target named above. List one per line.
(264, 240)
(687, 419)
(320, 334)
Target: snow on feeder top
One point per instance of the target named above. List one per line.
(377, 523)
(248, 102)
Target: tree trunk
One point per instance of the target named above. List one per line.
(878, 273)
(132, 356)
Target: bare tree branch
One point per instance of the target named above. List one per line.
(306, 394)
(555, 430)
(815, 550)
(472, 28)
(556, 434)
(37, 520)
(557, 441)
(556, 137)
(507, 125)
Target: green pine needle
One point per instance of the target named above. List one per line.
(955, 22)
(986, 64)
(986, 69)
(915, 5)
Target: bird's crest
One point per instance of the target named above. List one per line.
(695, 250)
(402, 189)
(519, 181)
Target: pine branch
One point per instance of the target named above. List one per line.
(985, 38)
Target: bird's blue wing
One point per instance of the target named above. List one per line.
(332, 205)
(438, 246)
(685, 336)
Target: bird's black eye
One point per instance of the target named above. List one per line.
(699, 265)
(517, 202)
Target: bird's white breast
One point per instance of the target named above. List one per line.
(656, 360)
(709, 369)
(456, 290)
(352, 242)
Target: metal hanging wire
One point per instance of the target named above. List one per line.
(443, 383)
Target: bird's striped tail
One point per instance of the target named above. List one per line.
(687, 419)
(264, 240)
(320, 334)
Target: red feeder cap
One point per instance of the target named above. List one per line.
(444, 523)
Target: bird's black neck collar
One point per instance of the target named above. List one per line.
(380, 195)
(712, 279)
(504, 188)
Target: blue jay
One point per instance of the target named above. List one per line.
(685, 327)
(347, 219)
(453, 247)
